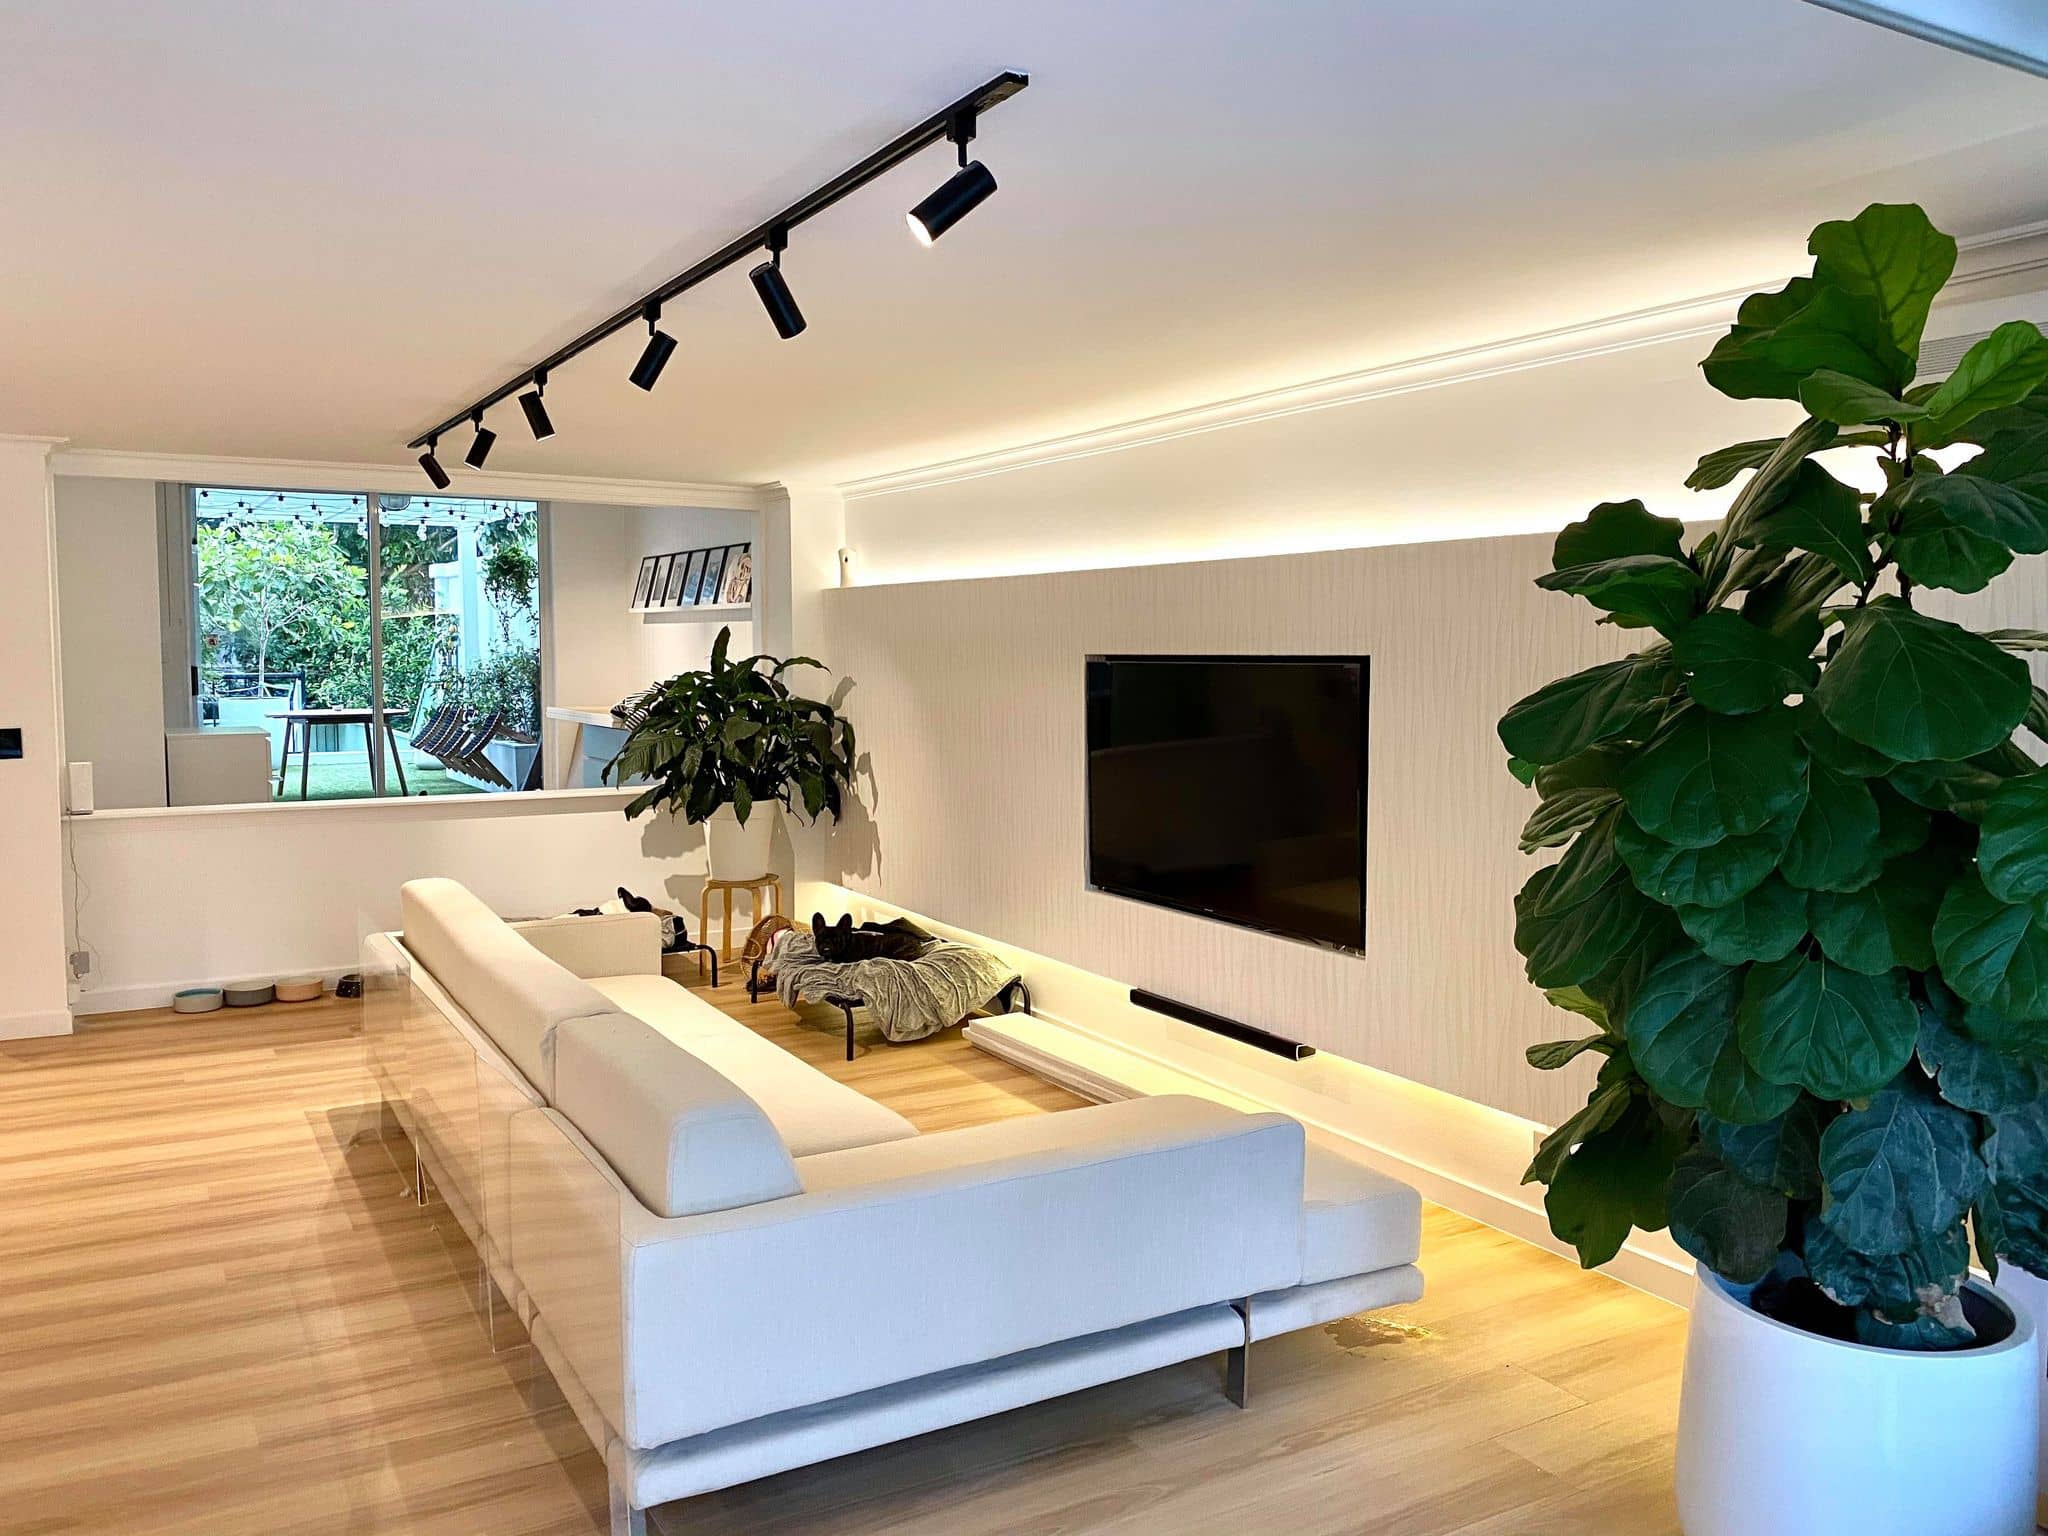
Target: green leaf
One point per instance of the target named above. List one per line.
(742, 801)
(1615, 529)
(1765, 924)
(2016, 1153)
(2002, 369)
(1972, 1075)
(1887, 924)
(1837, 751)
(1820, 514)
(1899, 1173)
(1720, 467)
(1576, 712)
(1851, 402)
(1895, 1282)
(2004, 514)
(1915, 687)
(2012, 849)
(1597, 767)
(1608, 1102)
(1574, 1000)
(1587, 865)
(1561, 817)
(1781, 339)
(1835, 1032)
(1902, 826)
(1992, 952)
(1616, 1180)
(1934, 552)
(1736, 668)
(1891, 255)
(1732, 1226)
(1681, 1018)
(1553, 1054)
(1780, 1154)
(1711, 876)
(1706, 776)
(1522, 769)
(1789, 602)
(1963, 789)
(1572, 946)
(2018, 639)
(1834, 845)
(1657, 591)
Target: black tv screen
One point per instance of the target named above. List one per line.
(1234, 787)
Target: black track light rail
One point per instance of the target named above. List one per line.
(769, 231)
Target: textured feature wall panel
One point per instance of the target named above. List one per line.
(968, 697)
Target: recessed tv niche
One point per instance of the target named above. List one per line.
(1233, 787)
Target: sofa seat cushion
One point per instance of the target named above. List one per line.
(1354, 1219)
(812, 1112)
(513, 992)
(676, 1132)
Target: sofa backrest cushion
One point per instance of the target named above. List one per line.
(677, 1133)
(516, 994)
(607, 944)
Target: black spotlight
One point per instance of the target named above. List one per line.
(966, 190)
(655, 355)
(963, 192)
(433, 467)
(775, 295)
(480, 445)
(536, 409)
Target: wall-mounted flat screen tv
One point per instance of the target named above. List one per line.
(1233, 787)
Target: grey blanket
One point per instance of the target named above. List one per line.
(908, 998)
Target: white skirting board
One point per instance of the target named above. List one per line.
(1098, 1069)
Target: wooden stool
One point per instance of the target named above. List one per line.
(767, 894)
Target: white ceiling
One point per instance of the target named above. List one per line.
(309, 231)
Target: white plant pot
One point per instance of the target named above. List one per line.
(1784, 1433)
(2031, 1292)
(737, 852)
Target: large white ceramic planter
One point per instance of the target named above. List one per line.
(737, 852)
(1784, 1433)
(2031, 1292)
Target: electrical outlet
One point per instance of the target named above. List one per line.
(81, 963)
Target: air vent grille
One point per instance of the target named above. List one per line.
(1940, 354)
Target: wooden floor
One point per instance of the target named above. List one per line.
(220, 1314)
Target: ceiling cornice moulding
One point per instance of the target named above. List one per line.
(314, 475)
(1995, 257)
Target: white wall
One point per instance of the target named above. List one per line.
(32, 953)
(597, 651)
(112, 647)
(180, 898)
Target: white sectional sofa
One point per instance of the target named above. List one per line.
(734, 1265)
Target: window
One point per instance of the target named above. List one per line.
(423, 681)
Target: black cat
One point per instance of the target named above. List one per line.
(841, 942)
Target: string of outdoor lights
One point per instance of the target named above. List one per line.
(962, 193)
(233, 508)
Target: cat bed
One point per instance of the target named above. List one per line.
(909, 999)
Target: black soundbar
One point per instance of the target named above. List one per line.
(1215, 1023)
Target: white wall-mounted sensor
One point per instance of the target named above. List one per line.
(78, 788)
(846, 559)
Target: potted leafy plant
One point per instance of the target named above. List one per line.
(1803, 901)
(725, 746)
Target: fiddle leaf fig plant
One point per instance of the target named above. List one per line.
(1803, 892)
(734, 734)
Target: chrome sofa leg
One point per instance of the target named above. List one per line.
(1237, 1362)
(626, 1520)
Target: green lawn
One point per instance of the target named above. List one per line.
(349, 779)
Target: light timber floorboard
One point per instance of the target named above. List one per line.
(220, 1312)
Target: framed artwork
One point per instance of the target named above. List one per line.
(713, 580)
(682, 586)
(739, 575)
(643, 581)
(658, 582)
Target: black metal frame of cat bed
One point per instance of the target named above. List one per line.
(1013, 991)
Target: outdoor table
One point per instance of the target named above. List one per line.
(306, 719)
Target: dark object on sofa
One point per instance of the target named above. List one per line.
(675, 933)
(841, 943)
